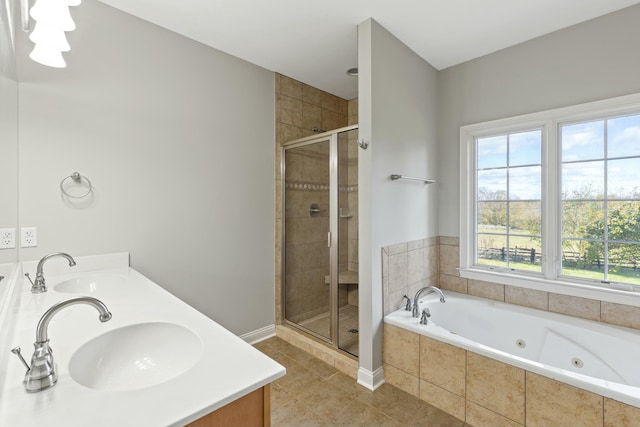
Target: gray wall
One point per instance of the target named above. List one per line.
(8, 132)
(397, 114)
(177, 139)
(590, 61)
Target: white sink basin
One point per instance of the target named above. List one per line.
(87, 284)
(136, 356)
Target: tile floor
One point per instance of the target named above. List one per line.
(313, 393)
(347, 327)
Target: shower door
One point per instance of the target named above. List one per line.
(316, 245)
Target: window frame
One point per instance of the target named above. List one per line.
(549, 279)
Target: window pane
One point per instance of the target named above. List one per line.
(492, 217)
(492, 184)
(524, 257)
(525, 148)
(623, 263)
(583, 220)
(525, 218)
(583, 180)
(525, 183)
(583, 141)
(492, 250)
(492, 152)
(623, 135)
(583, 259)
(623, 178)
(623, 221)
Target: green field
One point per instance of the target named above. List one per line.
(523, 240)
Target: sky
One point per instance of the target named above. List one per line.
(583, 147)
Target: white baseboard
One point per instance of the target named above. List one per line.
(258, 335)
(371, 380)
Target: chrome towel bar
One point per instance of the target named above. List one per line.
(395, 177)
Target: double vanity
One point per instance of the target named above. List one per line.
(155, 361)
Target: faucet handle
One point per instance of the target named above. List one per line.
(408, 306)
(32, 284)
(17, 352)
(423, 319)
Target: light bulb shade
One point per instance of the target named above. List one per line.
(47, 55)
(51, 36)
(53, 12)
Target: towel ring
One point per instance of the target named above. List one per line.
(77, 178)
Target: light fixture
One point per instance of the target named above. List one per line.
(53, 12)
(46, 55)
(52, 21)
(47, 34)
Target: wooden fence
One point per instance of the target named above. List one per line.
(532, 256)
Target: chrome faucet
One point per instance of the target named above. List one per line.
(42, 373)
(38, 286)
(416, 309)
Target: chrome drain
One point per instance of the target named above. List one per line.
(577, 362)
(521, 343)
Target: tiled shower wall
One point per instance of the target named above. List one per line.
(403, 274)
(302, 110)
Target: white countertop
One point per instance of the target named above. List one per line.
(228, 369)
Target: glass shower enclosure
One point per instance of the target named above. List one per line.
(320, 235)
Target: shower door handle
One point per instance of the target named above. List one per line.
(329, 239)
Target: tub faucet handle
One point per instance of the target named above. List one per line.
(408, 306)
(425, 314)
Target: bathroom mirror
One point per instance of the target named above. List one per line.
(8, 128)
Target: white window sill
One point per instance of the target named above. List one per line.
(596, 292)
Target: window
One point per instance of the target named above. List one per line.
(509, 200)
(601, 199)
(553, 199)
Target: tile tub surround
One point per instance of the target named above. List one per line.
(603, 311)
(486, 392)
(407, 267)
(235, 367)
(402, 274)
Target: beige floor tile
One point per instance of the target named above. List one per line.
(326, 400)
(294, 414)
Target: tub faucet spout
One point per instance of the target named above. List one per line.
(38, 285)
(426, 289)
(42, 372)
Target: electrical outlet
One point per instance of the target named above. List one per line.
(7, 238)
(28, 237)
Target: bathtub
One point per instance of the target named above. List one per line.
(597, 357)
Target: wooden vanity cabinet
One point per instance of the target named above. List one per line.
(253, 409)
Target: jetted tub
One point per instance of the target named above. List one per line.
(594, 356)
